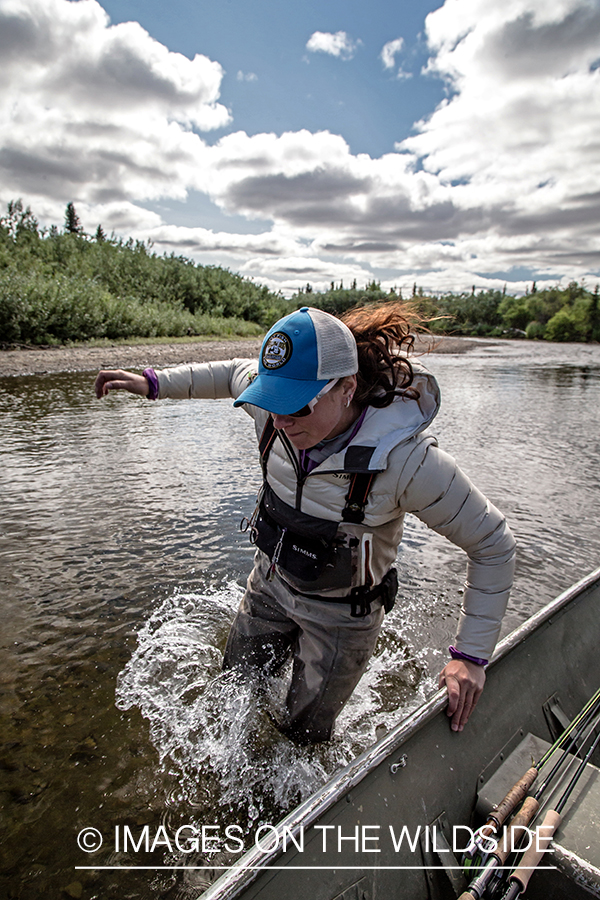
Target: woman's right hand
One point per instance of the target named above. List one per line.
(120, 380)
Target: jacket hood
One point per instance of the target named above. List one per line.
(384, 429)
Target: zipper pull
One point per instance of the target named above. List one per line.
(276, 554)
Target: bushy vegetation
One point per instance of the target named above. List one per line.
(58, 286)
(555, 314)
(61, 286)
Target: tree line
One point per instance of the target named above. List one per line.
(62, 285)
(558, 313)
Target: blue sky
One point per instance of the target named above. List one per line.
(272, 83)
(295, 88)
(449, 144)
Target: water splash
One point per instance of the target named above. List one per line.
(215, 730)
(215, 727)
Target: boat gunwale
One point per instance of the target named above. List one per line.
(250, 866)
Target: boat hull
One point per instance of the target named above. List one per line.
(425, 779)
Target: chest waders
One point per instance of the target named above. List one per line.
(309, 548)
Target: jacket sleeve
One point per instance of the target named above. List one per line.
(442, 496)
(206, 381)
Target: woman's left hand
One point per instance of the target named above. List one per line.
(464, 681)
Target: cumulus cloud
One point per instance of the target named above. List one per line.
(518, 135)
(523, 87)
(388, 56)
(99, 112)
(339, 44)
(390, 51)
(504, 174)
(120, 217)
(512, 154)
(203, 240)
(290, 273)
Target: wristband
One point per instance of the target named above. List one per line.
(153, 388)
(458, 654)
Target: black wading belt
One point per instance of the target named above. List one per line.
(360, 598)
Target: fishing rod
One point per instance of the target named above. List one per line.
(589, 722)
(507, 806)
(576, 728)
(517, 828)
(519, 879)
(529, 810)
(501, 812)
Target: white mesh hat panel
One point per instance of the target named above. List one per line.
(336, 347)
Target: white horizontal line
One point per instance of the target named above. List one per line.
(308, 868)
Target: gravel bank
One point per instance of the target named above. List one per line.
(40, 361)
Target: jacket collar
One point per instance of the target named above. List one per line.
(384, 429)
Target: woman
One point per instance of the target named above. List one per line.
(341, 417)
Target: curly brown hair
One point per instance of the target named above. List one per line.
(383, 334)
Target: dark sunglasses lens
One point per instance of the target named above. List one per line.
(305, 411)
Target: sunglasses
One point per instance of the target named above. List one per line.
(307, 410)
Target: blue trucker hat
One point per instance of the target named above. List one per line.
(301, 353)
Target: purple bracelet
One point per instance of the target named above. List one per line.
(458, 654)
(153, 388)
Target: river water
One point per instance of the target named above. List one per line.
(121, 568)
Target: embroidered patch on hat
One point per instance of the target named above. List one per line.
(277, 350)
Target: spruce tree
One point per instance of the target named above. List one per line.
(595, 316)
(72, 221)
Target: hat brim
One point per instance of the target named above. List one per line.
(279, 395)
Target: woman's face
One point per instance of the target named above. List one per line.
(331, 416)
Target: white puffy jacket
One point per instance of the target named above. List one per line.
(414, 476)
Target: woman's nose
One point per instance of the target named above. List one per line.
(281, 421)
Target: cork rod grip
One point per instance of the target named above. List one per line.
(516, 829)
(514, 797)
(538, 847)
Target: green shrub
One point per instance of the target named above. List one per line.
(563, 327)
(514, 312)
(535, 331)
(59, 287)
(34, 310)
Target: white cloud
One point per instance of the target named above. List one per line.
(523, 92)
(246, 76)
(202, 240)
(97, 112)
(390, 51)
(517, 141)
(120, 217)
(339, 44)
(504, 174)
(69, 53)
(291, 273)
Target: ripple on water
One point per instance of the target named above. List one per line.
(121, 565)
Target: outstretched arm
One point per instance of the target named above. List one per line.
(203, 381)
(120, 380)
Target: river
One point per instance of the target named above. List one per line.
(121, 568)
